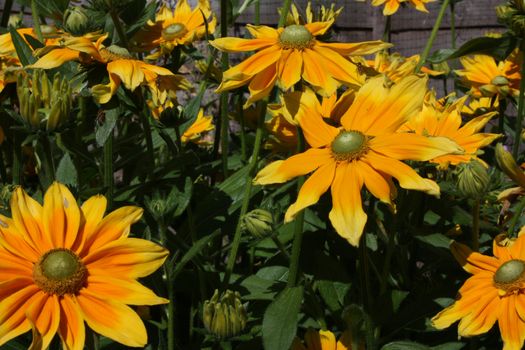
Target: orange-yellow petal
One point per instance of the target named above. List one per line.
(347, 215)
(44, 316)
(473, 262)
(71, 329)
(233, 45)
(291, 69)
(56, 58)
(16, 295)
(121, 290)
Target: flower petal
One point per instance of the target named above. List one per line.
(375, 182)
(233, 45)
(102, 93)
(303, 163)
(112, 319)
(71, 329)
(254, 64)
(44, 316)
(316, 75)
(56, 58)
(121, 290)
(16, 295)
(126, 257)
(318, 28)
(61, 216)
(316, 132)
(484, 313)
(312, 189)
(356, 49)
(14, 242)
(261, 85)
(292, 69)
(473, 262)
(511, 327)
(347, 215)
(92, 213)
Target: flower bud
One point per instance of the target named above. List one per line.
(44, 104)
(15, 21)
(472, 179)
(507, 163)
(224, 315)
(76, 21)
(258, 222)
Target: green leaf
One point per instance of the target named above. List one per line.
(281, 318)
(436, 240)
(54, 9)
(499, 48)
(333, 293)
(103, 131)
(239, 9)
(191, 253)
(23, 51)
(192, 109)
(403, 345)
(182, 198)
(66, 172)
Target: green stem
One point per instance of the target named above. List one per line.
(433, 35)
(280, 246)
(284, 12)
(108, 169)
(6, 13)
(47, 161)
(36, 21)
(149, 141)
(224, 125)
(240, 110)
(366, 293)
(171, 291)
(120, 30)
(386, 31)
(516, 217)
(252, 166)
(92, 342)
(501, 120)
(521, 101)
(257, 12)
(453, 24)
(17, 160)
(475, 225)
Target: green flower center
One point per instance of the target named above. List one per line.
(174, 31)
(60, 271)
(349, 145)
(499, 80)
(510, 272)
(296, 36)
(115, 52)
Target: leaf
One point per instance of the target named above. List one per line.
(333, 293)
(192, 109)
(66, 172)
(191, 253)
(499, 48)
(23, 51)
(436, 240)
(54, 9)
(182, 198)
(280, 319)
(103, 131)
(403, 345)
(239, 9)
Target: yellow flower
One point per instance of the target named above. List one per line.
(493, 293)
(486, 78)
(325, 14)
(121, 66)
(283, 133)
(10, 68)
(287, 55)
(482, 105)
(201, 125)
(61, 266)
(323, 340)
(434, 120)
(181, 26)
(366, 150)
(391, 6)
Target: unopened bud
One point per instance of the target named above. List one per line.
(258, 222)
(15, 21)
(76, 21)
(507, 163)
(224, 315)
(473, 179)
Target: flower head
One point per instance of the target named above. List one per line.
(486, 78)
(181, 26)
(366, 150)
(493, 293)
(434, 120)
(323, 340)
(61, 266)
(287, 55)
(391, 6)
(120, 64)
(201, 125)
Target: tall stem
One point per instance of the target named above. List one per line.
(284, 12)
(252, 167)
(6, 13)
(386, 31)
(240, 111)
(224, 95)
(366, 292)
(118, 26)
(257, 19)
(36, 21)
(108, 169)
(453, 24)
(521, 101)
(149, 141)
(433, 35)
(47, 161)
(516, 217)
(293, 271)
(475, 225)
(17, 160)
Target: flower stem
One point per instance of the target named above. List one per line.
(6, 13)
(284, 12)
(453, 24)
(240, 111)
(17, 160)
(108, 169)
(516, 217)
(433, 35)
(120, 30)
(224, 125)
(521, 101)
(257, 12)
(366, 292)
(386, 31)
(252, 167)
(293, 271)
(149, 141)
(47, 161)
(475, 225)
(36, 21)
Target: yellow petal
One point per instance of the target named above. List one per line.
(56, 58)
(112, 319)
(316, 75)
(347, 215)
(316, 132)
(318, 28)
(102, 93)
(254, 64)
(263, 32)
(15, 243)
(312, 189)
(292, 69)
(512, 328)
(233, 45)
(61, 216)
(300, 164)
(71, 328)
(16, 295)
(44, 316)
(473, 262)
(356, 49)
(261, 85)
(121, 290)
(92, 211)
(375, 182)
(482, 316)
